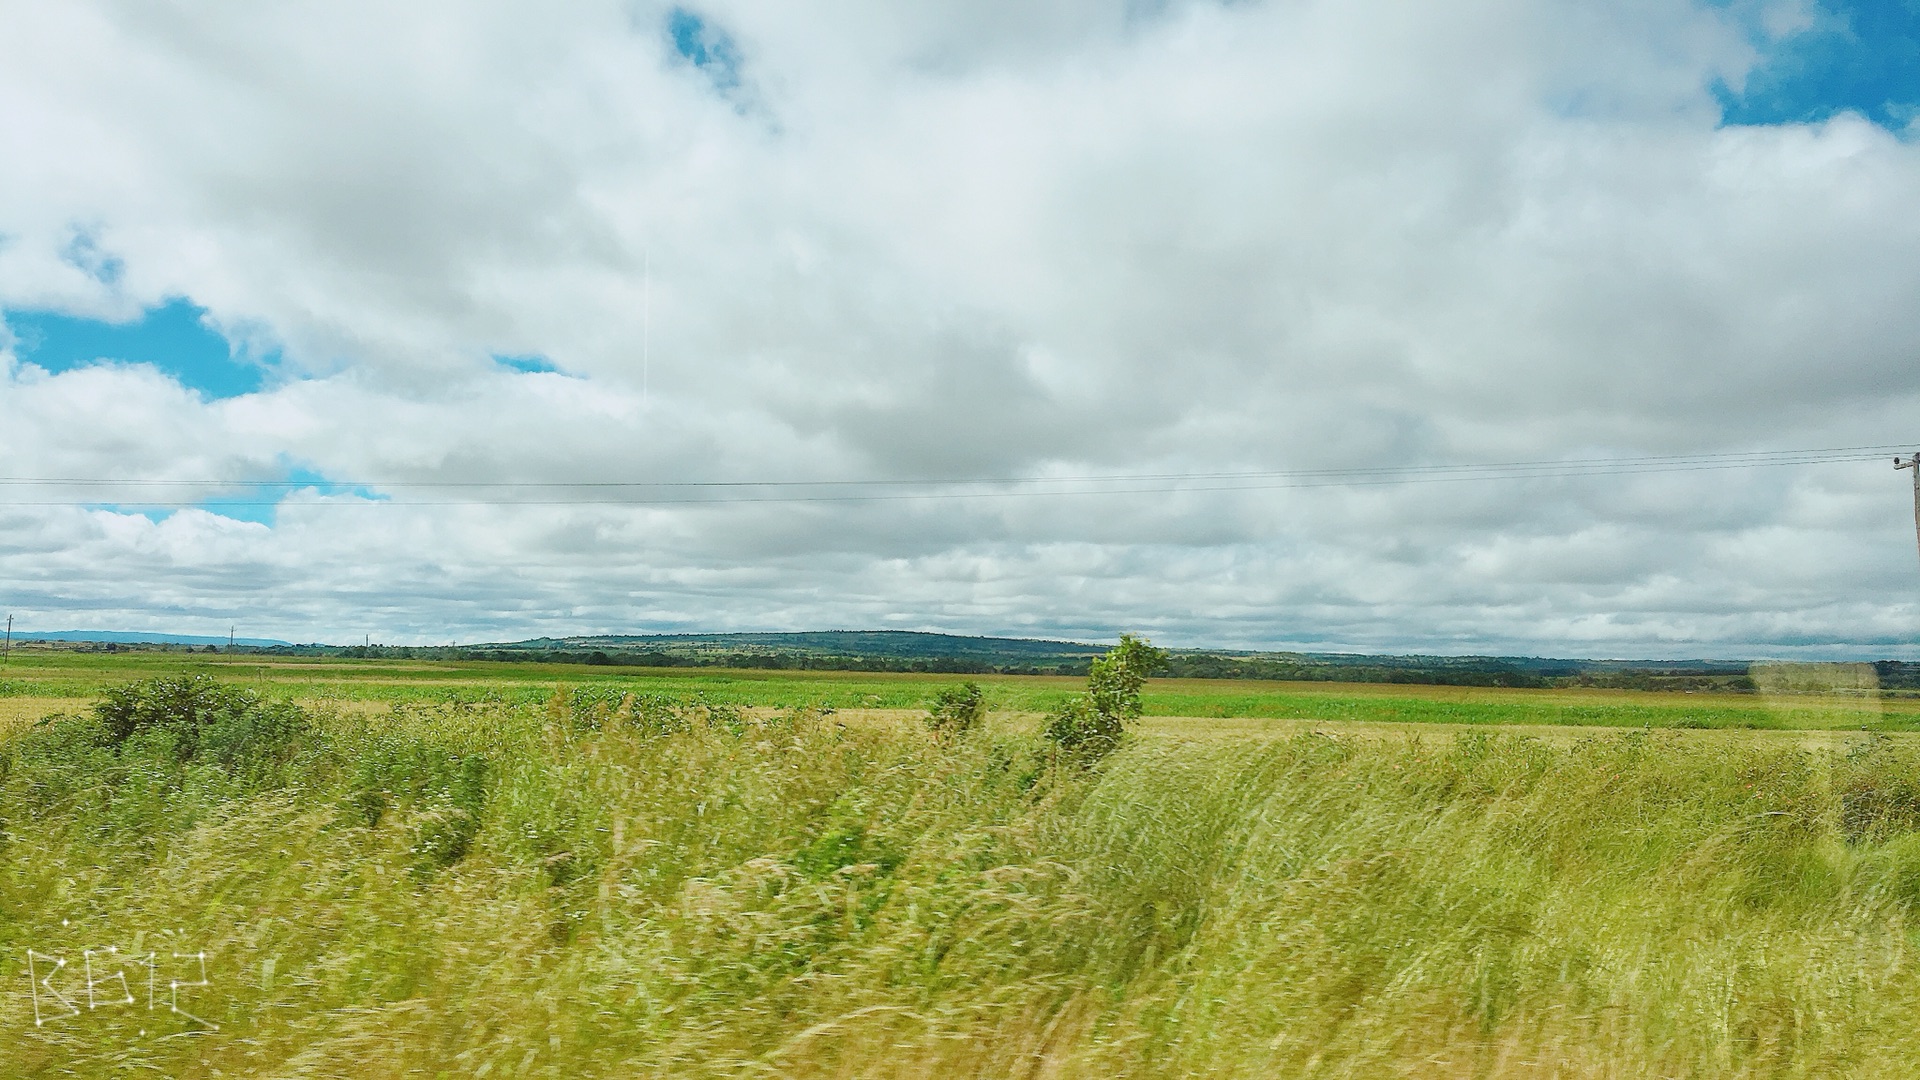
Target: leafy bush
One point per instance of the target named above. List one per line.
(202, 719)
(1079, 732)
(955, 711)
(150, 761)
(1089, 726)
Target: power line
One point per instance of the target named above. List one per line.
(1584, 465)
(686, 492)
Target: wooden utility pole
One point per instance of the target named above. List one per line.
(1913, 462)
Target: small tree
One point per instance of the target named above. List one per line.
(955, 710)
(1088, 726)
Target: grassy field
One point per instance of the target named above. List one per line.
(456, 870)
(69, 679)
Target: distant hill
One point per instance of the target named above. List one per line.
(123, 637)
(891, 644)
(901, 650)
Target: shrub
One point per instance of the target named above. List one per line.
(1081, 732)
(1114, 681)
(1089, 726)
(955, 711)
(203, 719)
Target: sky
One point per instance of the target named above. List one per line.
(480, 321)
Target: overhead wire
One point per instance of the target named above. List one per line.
(140, 492)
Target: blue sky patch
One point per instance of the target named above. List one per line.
(705, 46)
(258, 502)
(1860, 55)
(174, 338)
(84, 252)
(527, 365)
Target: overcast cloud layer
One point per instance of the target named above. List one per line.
(937, 242)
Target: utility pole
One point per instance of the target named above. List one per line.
(1913, 462)
(7, 656)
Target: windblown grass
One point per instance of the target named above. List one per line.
(671, 888)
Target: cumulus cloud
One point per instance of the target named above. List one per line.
(935, 242)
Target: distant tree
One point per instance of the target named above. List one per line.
(1089, 726)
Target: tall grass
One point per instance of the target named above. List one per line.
(618, 886)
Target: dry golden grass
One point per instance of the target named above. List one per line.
(20, 711)
(789, 894)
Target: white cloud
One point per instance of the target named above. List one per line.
(952, 240)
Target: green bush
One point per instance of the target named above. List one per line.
(201, 719)
(955, 711)
(1089, 726)
(1080, 732)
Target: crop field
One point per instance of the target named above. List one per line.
(315, 868)
(38, 682)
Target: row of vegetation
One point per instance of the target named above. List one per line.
(618, 882)
(1186, 666)
(1889, 675)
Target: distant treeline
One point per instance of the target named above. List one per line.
(1716, 676)
(650, 658)
(1897, 674)
(1469, 672)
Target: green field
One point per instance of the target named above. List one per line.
(472, 870)
(69, 679)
